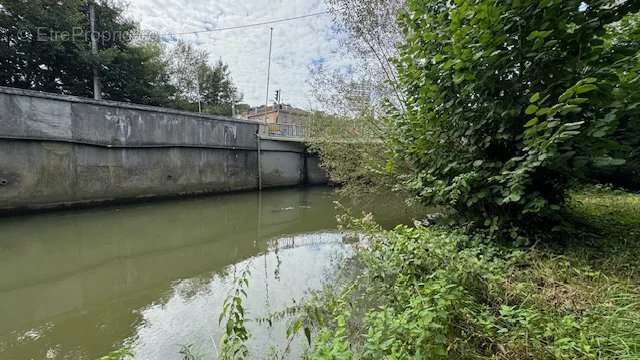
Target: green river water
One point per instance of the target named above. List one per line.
(79, 284)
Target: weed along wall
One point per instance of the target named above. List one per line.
(60, 150)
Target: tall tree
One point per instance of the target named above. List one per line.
(31, 59)
(219, 93)
(139, 75)
(200, 86)
(185, 64)
(45, 45)
(369, 37)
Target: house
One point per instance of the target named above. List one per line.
(281, 119)
(283, 114)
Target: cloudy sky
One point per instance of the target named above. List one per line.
(297, 44)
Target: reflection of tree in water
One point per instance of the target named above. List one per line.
(297, 241)
(276, 272)
(194, 287)
(306, 240)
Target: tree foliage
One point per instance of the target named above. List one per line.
(48, 66)
(507, 102)
(185, 62)
(351, 144)
(218, 90)
(352, 153)
(45, 45)
(369, 37)
(624, 36)
(201, 86)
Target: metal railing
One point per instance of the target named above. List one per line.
(283, 130)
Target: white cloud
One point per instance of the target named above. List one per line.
(296, 44)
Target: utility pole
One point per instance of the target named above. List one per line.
(266, 106)
(266, 103)
(97, 92)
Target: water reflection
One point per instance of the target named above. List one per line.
(179, 320)
(75, 285)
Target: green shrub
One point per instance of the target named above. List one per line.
(508, 102)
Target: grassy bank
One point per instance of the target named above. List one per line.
(436, 293)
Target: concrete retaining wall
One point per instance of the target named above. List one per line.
(61, 150)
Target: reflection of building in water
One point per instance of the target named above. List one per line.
(296, 241)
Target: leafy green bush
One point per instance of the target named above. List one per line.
(423, 282)
(507, 102)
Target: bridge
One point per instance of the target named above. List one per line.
(60, 150)
(284, 131)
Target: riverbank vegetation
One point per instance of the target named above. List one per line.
(442, 293)
(505, 109)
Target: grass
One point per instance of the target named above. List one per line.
(614, 217)
(592, 268)
(593, 277)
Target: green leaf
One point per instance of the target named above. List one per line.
(514, 197)
(544, 111)
(539, 35)
(589, 80)
(532, 122)
(608, 161)
(578, 101)
(570, 109)
(531, 109)
(566, 95)
(307, 334)
(552, 124)
(535, 98)
(585, 88)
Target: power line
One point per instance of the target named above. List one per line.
(247, 25)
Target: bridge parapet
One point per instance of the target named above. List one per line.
(33, 115)
(284, 131)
